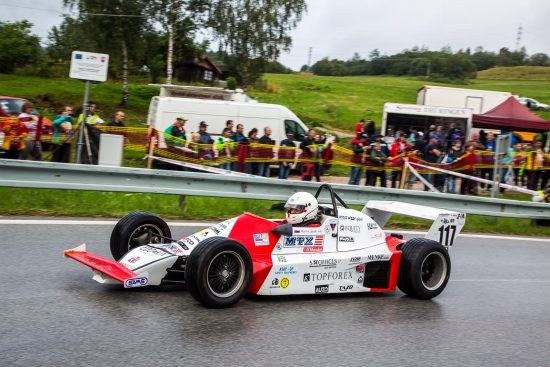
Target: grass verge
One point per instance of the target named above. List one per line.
(19, 201)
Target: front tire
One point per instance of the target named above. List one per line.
(425, 268)
(137, 229)
(218, 272)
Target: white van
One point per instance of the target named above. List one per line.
(164, 110)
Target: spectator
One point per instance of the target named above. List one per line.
(238, 136)
(204, 137)
(92, 117)
(62, 128)
(175, 133)
(507, 161)
(15, 132)
(31, 123)
(535, 160)
(454, 154)
(284, 167)
(378, 139)
(229, 125)
(253, 136)
(358, 149)
(378, 159)
(263, 167)
(487, 173)
(118, 120)
(309, 147)
(368, 129)
(467, 186)
(223, 145)
(519, 160)
(397, 148)
(251, 167)
(432, 154)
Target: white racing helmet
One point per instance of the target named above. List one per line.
(301, 207)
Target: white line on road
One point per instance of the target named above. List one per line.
(83, 222)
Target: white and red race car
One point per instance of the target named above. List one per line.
(346, 252)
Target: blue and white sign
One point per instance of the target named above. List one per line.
(89, 66)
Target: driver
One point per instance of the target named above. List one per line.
(302, 210)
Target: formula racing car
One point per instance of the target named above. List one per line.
(317, 249)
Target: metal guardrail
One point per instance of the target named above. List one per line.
(15, 173)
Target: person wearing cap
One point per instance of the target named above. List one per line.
(175, 133)
(284, 167)
(205, 137)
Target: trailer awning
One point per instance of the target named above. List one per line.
(511, 115)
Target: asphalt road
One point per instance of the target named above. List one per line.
(494, 312)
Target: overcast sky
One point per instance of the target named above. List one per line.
(337, 29)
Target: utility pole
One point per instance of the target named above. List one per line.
(171, 24)
(518, 37)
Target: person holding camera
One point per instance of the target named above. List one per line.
(62, 127)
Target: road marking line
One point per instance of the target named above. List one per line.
(207, 224)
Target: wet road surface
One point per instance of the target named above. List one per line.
(495, 311)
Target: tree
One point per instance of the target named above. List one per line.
(539, 59)
(18, 45)
(253, 32)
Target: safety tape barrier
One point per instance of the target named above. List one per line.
(143, 139)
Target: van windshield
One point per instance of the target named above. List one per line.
(292, 126)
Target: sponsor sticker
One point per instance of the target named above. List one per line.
(378, 257)
(133, 259)
(313, 249)
(285, 283)
(349, 228)
(136, 282)
(301, 231)
(350, 218)
(323, 263)
(346, 239)
(360, 280)
(303, 241)
(330, 275)
(281, 259)
(345, 288)
(321, 288)
(355, 260)
(173, 248)
(261, 239)
(275, 283)
(153, 251)
(286, 270)
(307, 277)
(371, 226)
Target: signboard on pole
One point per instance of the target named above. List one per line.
(89, 66)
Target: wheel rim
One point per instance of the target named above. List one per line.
(225, 274)
(143, 235)
(434, 270)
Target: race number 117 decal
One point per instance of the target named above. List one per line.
(447, 234)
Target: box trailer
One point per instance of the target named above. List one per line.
(480, 101)
(406, 117)
(215, 106)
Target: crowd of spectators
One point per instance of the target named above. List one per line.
(437, 145)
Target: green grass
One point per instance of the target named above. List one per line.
(535, 73)
(109, 204)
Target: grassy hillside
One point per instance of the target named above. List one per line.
(337, 102)
(534, 73)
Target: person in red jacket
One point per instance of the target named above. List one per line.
(398, 147)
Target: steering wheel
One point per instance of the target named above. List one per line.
(333, 197)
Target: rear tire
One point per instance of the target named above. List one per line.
(218, 272)
(425, 268)
(137, 229)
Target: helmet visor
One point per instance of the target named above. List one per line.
(295, 206)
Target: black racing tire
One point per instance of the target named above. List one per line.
(425, 268)
(218, 272)
(137, 229)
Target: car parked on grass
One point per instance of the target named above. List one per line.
(533, 104)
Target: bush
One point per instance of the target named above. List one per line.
(231, 83)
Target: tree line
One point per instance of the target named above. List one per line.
(459, 65)
(149, 36)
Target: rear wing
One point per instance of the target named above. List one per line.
(446, 224)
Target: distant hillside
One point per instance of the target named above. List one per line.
(516, 73)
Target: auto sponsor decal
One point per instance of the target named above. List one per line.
(133, 259)
(345, 288)
(332, 228)
(323, 263)
(313, 249)
(261, 239)
(313, 231)
(372, 226)
(321, 288)
(354, 260)
(153, 251)
(360, 280)
(349, 228)
(286, 270)
(281, 259)
(346, 239)
(377, 236)
(136, 282)
(329, 275)
(173, 248)
(378, 257)
(350, 218)
(275, 283)
(461, 218)
(285, 283)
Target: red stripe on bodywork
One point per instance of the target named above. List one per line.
(106, 266)
(243, 231)
(395, 261)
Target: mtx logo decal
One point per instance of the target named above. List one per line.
(321, 288)
(351, 229)
(303, 241)
(136, 282)
(327, 263)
